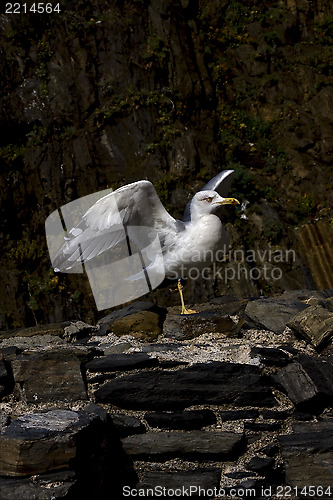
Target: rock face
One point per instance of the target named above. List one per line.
(315, 323)
(307, 454)
(49, 376)
(25, 447)
(100, 95)
(197, 445)
(249, 413)
(212, 383)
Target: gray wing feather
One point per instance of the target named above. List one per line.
(103, 225)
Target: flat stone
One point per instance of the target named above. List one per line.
(35, 342)
(143, 325)
(119, 362)
(242, 474)
(276, 414)
(271, 355)
(49, 376)
(308, 383)
(272, 314)
(228, 415)
(157, 446)
(262, 426)
(190, 480)
(125, 425)
(203, 383)
(314, 323)
(114, 348)
(139, 319)
(190, 419)
(51, 329)
(308, 455)
(260, 465)
(56, 485)
(185, 327)
(41, 442)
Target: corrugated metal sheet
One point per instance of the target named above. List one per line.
(315, 242)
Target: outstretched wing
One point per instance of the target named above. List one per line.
(220, 183)
(104, 225)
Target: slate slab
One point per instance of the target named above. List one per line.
(202, 383)
(53, 486)
(125, 425)
(308, 383)
(314, 323)
(41, 442)
(134, 319)
(50, 376)
(272, 314)
(160, 446)
(119, 362)
(245, 414)
(271, 355)
(51, 329)
(185, 327)
(308, 455)
(186, 420)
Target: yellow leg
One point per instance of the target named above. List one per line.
(184, 309)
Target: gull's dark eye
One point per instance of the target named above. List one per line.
(208, 199)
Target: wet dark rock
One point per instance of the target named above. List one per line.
(139, 319)
(205, 479)
(126, 425)
(239, 414)
(302, 416)
(41, 442)
(270, 449)
(185, 327)
(187, 420)
(307, 454)
(158, 446)
(56, 485)
(119, 362)
(307, 382)
(57, 329)
(240, 474)
(271, 355)
(272, 314)
(202, 383)
(276, 414)
(50, 376)
(260, 465)
(315, 324)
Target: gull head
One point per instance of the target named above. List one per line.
(206, 202)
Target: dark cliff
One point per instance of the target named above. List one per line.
(105, 93)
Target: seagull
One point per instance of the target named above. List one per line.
(184, 244)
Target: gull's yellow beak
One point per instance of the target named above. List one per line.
(229, 201)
